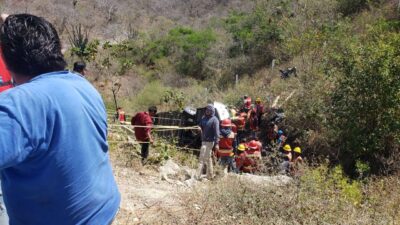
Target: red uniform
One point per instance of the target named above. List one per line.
(226, 145)
(142, 119)
(249, 165)
(272, 133)
(121, 116)
(5, 77)
(240, 123)
(240, 159)
(253, 122)
(247, 106)
(253, 155)
(259, 108)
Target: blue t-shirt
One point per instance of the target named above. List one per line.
(54, 153)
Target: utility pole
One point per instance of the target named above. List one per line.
(236, 80)
(273, 64)
(398, 7)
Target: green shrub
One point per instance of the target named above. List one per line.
(366, 102)
(189, 48)
(256, 34)
(148, 96)
(173, 98)
(81, 46)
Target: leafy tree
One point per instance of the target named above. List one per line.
(190, 48)
(256, 35)
(366, 102)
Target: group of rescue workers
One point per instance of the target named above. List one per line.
(234, 143)
(240, 149)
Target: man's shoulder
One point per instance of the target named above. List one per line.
(142, 114)
(13, 95)
(215, 119)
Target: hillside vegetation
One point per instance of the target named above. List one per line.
(346, 102)
(175, 53)
(345, 107)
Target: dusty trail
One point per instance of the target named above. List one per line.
(146, 199)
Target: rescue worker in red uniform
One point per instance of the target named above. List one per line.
(226, 145)
(253, 157)
(297, 161)
(253, 123)
(246, 106)
(142, 123)
(272, 134)
(297, 155)
(287, 158)
(240, 122)
(240, 157)
(259, 108)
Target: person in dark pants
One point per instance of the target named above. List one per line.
(142, 123)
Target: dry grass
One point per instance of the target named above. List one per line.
(320, 196)
(310, 200)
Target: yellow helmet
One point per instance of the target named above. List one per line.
(241, 147)
(258, 99)
(297, 150)
(287, 148)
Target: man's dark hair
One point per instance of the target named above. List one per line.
(153, 109)
(79, 66)
(30, 45)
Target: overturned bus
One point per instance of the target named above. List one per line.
(189, 117)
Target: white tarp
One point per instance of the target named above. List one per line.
(222, 110)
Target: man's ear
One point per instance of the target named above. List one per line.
(3, 17)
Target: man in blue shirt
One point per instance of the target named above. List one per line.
(209, 125)
(54, 160)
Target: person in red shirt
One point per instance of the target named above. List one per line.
(121, 115)
(240, 123)
(5, 77)
(240, 158)
(142, 123)
(226, 145)
(5, 83)
(253, 157)
(259, 108)
(246, 105)
(253, 121)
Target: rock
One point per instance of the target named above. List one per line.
(188, 173)
(170, 168)
(197, 207)
(174, 174)
(280, 180)
(191, 182)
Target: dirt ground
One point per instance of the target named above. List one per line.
(146, 199)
